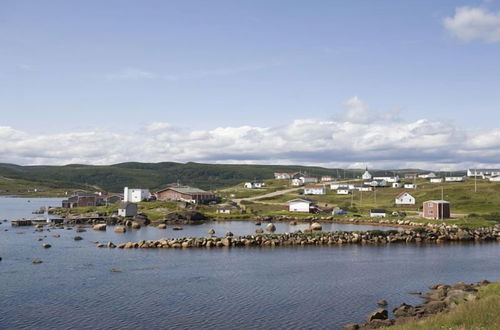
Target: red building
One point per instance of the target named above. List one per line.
(438, 209)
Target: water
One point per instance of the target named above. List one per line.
(306, 287)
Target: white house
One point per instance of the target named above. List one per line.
(326, 178)
(427, 175)
(254, 185)
(397, 185)
(127, 209)
(343, 192)
(135, 195)
(286, 175)
(483, 172)
(410, 186)
(366, 175)
(364, 188)
(297, 182)
(377, 213)
(436, 180)
(405, 199)
(389, 179)
(494, 178)
(315, 190)
(308, 179)
(377, 183)
(454, 179)
(301, 205)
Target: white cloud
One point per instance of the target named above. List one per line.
(357, 111)
(470, 24)
(423, 143)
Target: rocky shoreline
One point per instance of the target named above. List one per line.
(311, 238)
(440, 299)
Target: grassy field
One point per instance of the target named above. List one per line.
(239, 191)
(481, 314)
(462, 196)
(19, 187)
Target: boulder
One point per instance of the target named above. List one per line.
(259, 231)
(177, 228)
(351, 327)
(162, 226)
(434, 307)
(379, 314)
(136, 225)
(101, 227)
(36, 261)
(271, 227)
(316, 226)
(229, 234)
(120, 229)
(382, 302)
(404, 310)
(77, 238)
(211, 232)
(47, 245)
(111, 245)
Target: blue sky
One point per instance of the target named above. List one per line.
(121, 66)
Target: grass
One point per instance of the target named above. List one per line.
(481, 314)
(18, 187)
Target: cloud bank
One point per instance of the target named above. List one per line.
(469, 24)
(350, 142)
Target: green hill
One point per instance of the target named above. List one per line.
(156, 175)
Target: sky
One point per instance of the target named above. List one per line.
(386, 84)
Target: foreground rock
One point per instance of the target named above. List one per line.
(441, 298)
(120, 229)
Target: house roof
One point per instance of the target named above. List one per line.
(440, 201)
(186, 190)
(404, 192)
(305, 200)
(378, 211)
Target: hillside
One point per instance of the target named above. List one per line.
(150, 175)
(156, 175)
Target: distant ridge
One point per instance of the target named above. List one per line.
(156, 175)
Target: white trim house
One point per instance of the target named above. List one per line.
(405, 199)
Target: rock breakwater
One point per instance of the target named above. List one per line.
(298, 238)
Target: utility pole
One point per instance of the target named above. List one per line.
(375, 194)
(352, 198)
(442, 202)
(475, 180)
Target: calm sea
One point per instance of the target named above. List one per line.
(247, 288)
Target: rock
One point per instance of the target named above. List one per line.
(101, 245)
(404, 310)
(56, 236)
(101, 227)
(316, 226)
(271, 227)
(382, 302)
(259, 231)
(177, 228)
(351, 327)
(36, 261)
(116, 270)
(375, 324)
(120, 229)
(211, 232)
(80, 230)
(226, 241)
(136, 225)
(258, 223)
(162, 226)
(78, 238)
(434, 307)
(379, 314)
(111, 245)
(47, 245)
(229, 234)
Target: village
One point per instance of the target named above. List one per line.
(425, 196)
